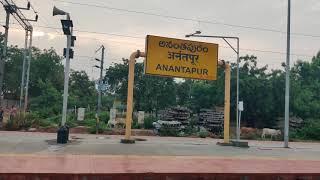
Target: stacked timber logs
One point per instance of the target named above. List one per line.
(179, 114)
(212, 119)
(295, 123)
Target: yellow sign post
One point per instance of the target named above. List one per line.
(181, 58)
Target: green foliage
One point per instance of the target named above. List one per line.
(71, 121)
(46, 67)
(135, 124)
(49, 101)
(82, 90)
(206, 94)
(305, 91)
(20, 122)
(104, 116)
(88, 122)
(36, 121)
(56, 120)
(150, 92)
(148, 122)
(261, 89)
(311, 130)
(257, 93)
(102, 127)
(191, 130)
(167, 131)
(203, 134)
(12, 125)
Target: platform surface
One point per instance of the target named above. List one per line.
(24, 152)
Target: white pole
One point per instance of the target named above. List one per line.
(23, 74)
(238, 76)
(66, 79)
(28, 73)
(287, 95)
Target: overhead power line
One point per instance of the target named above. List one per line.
(139, 37)
(190, 19)
(44, 20)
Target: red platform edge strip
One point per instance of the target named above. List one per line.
(115, 165)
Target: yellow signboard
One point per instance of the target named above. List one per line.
(181, 58)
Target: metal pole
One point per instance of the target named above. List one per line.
(226, 131)
(28, 72)
(4, 55)
(287, 95)
(131, 65)
(99, 90)
(66, 79)
(239, 123)
(238, 74)
(23, 74)
(132, 62)
(100, 80)
(237, 51)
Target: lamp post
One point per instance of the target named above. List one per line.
(287, 93)
(237, 51)
(67, 27)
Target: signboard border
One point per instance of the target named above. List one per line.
(160, 75)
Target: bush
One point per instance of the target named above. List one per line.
(101, 129)
(88, 122)
(71, 121)
(203, 133)
(28, 120)
(167, 131)
(55, 119)
(16, 123)
(43, 123)
(310, 131)
(148, 122)
(90, 115)
(11, 125)
(104, 116)
(191, 130)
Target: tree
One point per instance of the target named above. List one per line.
(49, 101)
(305, 88)
(150, 92)
(184, 92)
(46, 65)
(82, 90)
(13, 69)
(256, 92)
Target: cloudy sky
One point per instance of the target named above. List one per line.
(122, 25)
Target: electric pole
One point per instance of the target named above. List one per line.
(14, 10)
(102, 48)
(100, 79)
(3, 55)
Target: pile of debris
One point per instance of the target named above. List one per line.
(212, 119)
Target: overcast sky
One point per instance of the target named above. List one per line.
(123, 32)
